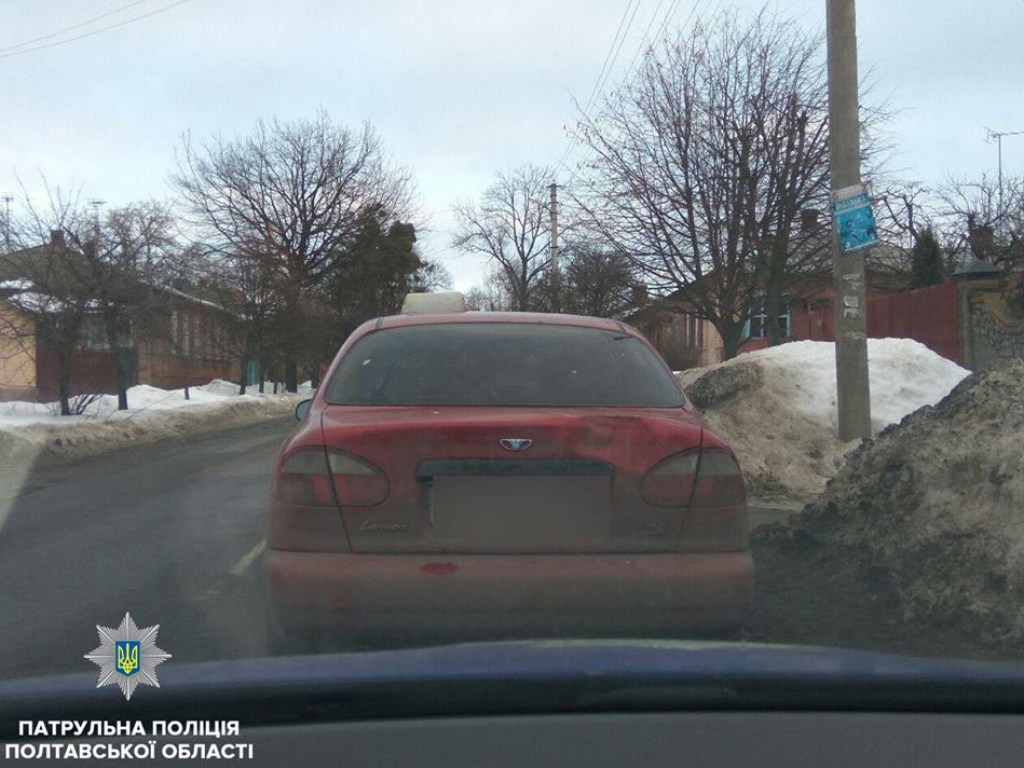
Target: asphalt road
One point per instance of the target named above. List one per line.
(171, 533)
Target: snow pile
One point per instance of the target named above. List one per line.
(776, 407)
(936, 505)
(33, 433)
(144, 402)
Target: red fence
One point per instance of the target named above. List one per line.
(927, 315)
(91, 371)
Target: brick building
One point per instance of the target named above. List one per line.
(185, 340)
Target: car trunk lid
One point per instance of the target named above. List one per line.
(465, 479)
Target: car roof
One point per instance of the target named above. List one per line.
(528, 318)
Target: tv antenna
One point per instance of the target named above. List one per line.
(997, 136)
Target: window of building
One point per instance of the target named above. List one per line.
(757, 326)
(94, 333)
(694, 331)
(186, 341)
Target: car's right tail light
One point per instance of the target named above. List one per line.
(706, 477)
(707, 486)
(670, 482)
(719, 481)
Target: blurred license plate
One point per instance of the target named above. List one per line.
(528, 509)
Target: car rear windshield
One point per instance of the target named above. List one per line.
(502, 364)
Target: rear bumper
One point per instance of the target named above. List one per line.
(395, 600)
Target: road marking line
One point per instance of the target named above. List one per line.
(249, 558)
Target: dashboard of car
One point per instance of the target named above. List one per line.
(718, 739)
(544, 703)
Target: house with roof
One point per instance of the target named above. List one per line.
(975, 318)
(52, 325)
(673, 322)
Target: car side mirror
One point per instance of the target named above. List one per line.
(302, 409)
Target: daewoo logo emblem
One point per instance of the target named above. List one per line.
(515, 443)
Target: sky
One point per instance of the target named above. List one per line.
(456, 89)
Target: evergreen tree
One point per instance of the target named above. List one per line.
(926, 260)
(372, 274)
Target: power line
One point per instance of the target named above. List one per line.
(647, 32)
(124, 23)
(670, 13)
(606, 69)
(613, 55)
(85, 23)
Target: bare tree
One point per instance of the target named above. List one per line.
(595, 281)
(492, 295)
(132, 254)
(904, 211)
(91, 282)
(47, 311)
(510, 227)
(248, 287)
(980, 219)
(49, 284)
(293, 193)
(701, 166)
(432, 276)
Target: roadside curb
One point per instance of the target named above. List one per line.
(44, 446)
(762, 512)
(776, 505)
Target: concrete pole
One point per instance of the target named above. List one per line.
(553, 263)
(7, 222)
(853, 396)
(999, 141)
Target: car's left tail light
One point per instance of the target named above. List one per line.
(357, 482)
(311, 486)
(304, 480)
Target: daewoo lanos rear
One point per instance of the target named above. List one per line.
(474, 475)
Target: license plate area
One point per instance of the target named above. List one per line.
(521, 514)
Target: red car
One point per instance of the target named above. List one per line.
(478, 475)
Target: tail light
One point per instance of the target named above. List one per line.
(708, 484)
(719, 481)
(319, 478)
(696, 478)
(670, 483)
(303, 480)
(357, 483)
(308, 490)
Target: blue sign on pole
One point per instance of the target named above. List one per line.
(854, 222)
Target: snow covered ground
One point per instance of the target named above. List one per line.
(144, 402)
(33, 433)
(777, 407)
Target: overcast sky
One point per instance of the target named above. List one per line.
(457, 89)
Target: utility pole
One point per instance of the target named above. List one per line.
(853, 391)
(7, 222)
(95, 204)
(553, 261)
(998, 136)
